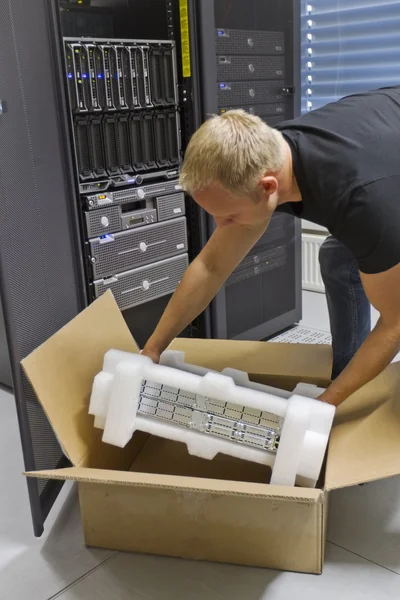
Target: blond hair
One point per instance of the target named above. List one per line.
(234, 149)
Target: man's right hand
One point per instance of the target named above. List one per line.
(155, 356)
(201, 282)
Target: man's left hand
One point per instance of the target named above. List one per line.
(382, 344)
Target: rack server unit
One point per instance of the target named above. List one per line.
(248, 53)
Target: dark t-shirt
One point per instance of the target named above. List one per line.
(346, 159)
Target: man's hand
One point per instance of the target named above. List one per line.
(155, 356)
(206, 274)
(323, 398)
(383, 343)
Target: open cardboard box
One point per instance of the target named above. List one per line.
(152, 497)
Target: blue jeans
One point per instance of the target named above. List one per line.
(348, 306)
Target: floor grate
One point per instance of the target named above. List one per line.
(303, 335)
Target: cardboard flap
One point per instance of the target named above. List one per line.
(365, 441)
(297, 362)
(173, 482)
(62, 369)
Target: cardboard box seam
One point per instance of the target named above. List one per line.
(96, 440)
(322, 526)
(204, 490)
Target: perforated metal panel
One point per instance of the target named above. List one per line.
(146, 283)
(97, 159)
(37, 249)
(271, 121)
(96, 219)
(276, 231)
(250, 67)
(82, 147)
(268, 109)
(110, 137)
(166, 138)
(239, 41)
(161, 63)
(303, 335)
(135, 129)
(262, 262)
(262, 109)
(89, 147)
(123, 144)
(161, 139)
(244, 93)
(47, 453)
(171, 206)
(134, 248)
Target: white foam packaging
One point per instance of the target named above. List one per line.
(292, 440)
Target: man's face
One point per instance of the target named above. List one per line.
(227, 209)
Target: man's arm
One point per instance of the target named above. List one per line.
(383, 343)
(224, 251)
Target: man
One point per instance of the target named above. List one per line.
(338, 166)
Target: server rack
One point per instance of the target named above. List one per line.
(249, 58)
(84, 168)
(75, 180)
(41, 266)
(124, 113)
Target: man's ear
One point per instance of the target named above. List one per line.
(269, 184)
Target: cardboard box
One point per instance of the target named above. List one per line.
(152, 497)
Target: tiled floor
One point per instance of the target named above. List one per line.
(363, 553)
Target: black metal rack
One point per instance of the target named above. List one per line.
(248, 54)
(69, 148)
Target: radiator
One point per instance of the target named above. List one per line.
(311, 273)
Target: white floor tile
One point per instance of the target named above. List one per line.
(35, 568)
(374, 316)
(303, 335)
(129, 577)
(366, 520)
(315, 311)
(315, 314)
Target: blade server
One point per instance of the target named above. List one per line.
(124, 110)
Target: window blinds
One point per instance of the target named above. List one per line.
(348, 46)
